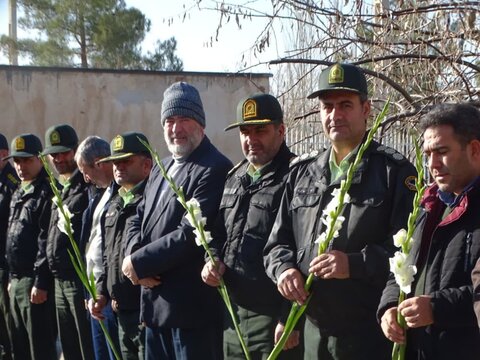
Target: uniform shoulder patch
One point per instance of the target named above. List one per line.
(235, 168)
(14, 181)
(410, 182)
(304, 157)
(391, 153)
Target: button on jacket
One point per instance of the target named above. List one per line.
(380, 203)
(27, 231)
(246, 216)
(76, 199)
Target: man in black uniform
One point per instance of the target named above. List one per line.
(61, 142)
(31, 283)
(350, 276)
(131, 166)
(8, 183)
(247, 211)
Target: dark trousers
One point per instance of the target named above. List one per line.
(72, 320)
(258, 332)
(131, 334)
(34, 324)
(369, 344)
(183, 344)
(101, 347)
(5, 318)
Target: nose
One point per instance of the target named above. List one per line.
(434, 161)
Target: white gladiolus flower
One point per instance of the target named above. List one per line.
(403, 271)
(194, 206)
(198, 238)
(321, 238)
(62, 221)
(400, 238)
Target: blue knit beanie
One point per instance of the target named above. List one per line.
(182, 99)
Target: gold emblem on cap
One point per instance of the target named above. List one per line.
(19, 143)
(336, 74)
(118, 143)
(249, 109)
(55, 137)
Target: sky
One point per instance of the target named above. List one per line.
(193, 34)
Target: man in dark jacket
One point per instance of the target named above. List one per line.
(131, 165)
(180, 311)
(351, 275)
(61, 142)
(247, 211)
(438, 312)
(8, 183)
(90, 150)
(31, 283)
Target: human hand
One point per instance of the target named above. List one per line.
(292, 341)
(129, 271)
(114, 305)
(390, 327)
(417, 311)
(211, 275)
(150, 282)
(292, 286)
(96, 307)
(331, 265)
(38, 296)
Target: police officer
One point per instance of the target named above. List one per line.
(131, 166)
(61, 142)
(350, 277)
(31, 283)
(247, 211)
(8, 183)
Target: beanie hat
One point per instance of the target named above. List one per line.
(182, 99)
(3, 142)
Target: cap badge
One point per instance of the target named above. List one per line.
(336, 75)
(19, 144)
(55, 137)
(118, 143)
(249, 109)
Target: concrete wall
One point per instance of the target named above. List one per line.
(106, 103)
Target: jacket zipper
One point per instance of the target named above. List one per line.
(468, 239)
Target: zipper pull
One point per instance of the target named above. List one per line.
(468, 244)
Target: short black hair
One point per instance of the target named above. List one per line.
(463, 118)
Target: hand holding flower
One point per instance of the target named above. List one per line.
(331, 265)
(417, 311)
(212, 274)
(292, 286)
(390, 327)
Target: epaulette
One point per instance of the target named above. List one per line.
(304, 157)
(391, 153)
(13, 180)
(235, 168)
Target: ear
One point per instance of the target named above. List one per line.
(475, 148)
(281, 129)
(367, 107)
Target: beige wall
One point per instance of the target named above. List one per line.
(106, 103)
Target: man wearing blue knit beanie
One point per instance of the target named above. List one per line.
(182, 314)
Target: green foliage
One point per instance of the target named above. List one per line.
(89, 33)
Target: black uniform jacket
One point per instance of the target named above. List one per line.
(76, 199)
(112, 283)
(8, 183)
(167, 243)
(451, 253)
(28, 230)
(380, 203)
(246, 216)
